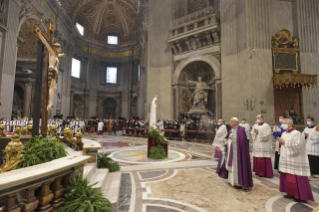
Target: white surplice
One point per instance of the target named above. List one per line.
(293, 155)
(313, 142)
(246, 126)
(262, 142)
(310, 132)
(100, 126)
(153, 113)
(221, 133)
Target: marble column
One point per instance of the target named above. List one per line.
(27, 99)
(100, 108)
(86, 105)
(8, 56)
(71, 104)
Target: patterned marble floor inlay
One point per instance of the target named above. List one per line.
(125, 193)
(203, 189)
(151, 174)
(139, 155)
(151, 208)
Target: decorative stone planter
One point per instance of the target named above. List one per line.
(153, 142)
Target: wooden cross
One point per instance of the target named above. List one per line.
(49, 38)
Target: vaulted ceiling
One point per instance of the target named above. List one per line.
(101, 18)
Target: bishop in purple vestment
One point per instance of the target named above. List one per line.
(234, 163)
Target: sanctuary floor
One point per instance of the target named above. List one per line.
(186, 181)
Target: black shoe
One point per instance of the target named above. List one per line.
(237, 187)
(299, 200)
(288, 197)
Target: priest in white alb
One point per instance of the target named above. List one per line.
(220, 134)
(293, 164)
(311, 145)
(313, 151)
(262, 148)
(153, 113)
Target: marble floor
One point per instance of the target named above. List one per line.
(186, 181)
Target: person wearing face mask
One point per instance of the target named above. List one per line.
(246, 126)
(311, 149)
(221, 133)
(293, 164)
(262, 148)
(277, 132)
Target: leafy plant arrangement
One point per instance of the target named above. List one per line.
(103, 161)
(83, 198)
(41, 150)
(157, 153)
(157, 135)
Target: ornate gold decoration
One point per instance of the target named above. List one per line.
(293, 80)
(2, 127)
(285, 52)
(13, 154)
(68, 138)
(30, 126)
(24, 130)
(52, 130)
(18, 130)
(78, 144)
(107, 54)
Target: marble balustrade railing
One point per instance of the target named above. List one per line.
(40, 187)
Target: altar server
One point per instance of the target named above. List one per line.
(262, 148)
(277, 132)
(293, 164)
(312, 138)
(238, 159)
(246, 126)
(221, 133)
(100, 127)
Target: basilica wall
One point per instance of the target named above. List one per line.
(247, 68)
(159, 67)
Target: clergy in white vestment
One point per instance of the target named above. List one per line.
(153, 113)
(100, 127)
(245, 125)
(221, 133)
(237, 161)
(277, 132)
(312, 146)
(293, 164)
(262, 148)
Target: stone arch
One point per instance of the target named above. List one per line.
(33, 18)
(109, 105)
(211, 60)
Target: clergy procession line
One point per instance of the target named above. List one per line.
(296, 155)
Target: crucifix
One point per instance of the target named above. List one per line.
(51, 72)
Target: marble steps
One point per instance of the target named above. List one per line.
(89, 170)
(112, 189)
(100, 177)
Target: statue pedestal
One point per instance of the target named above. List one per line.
(153, 142)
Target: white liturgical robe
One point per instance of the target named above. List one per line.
(247, 129)
(293, 155)
(100, 126)
(221, 133)
(262, 142)
(313, 144)
(310, 132)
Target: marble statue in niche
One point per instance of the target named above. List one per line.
(59, 104)
(186, 101)
(200, 96)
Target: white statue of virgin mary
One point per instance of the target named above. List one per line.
(153, 113)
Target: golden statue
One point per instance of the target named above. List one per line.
(78, 144)
(52, 130)
(53, 72)
(24, 130)
(30, 126)
(276, 38)
(2, 130)
(18, 130)
(295, 42)
(13, 154)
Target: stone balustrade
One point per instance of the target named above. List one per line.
(40, 187)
